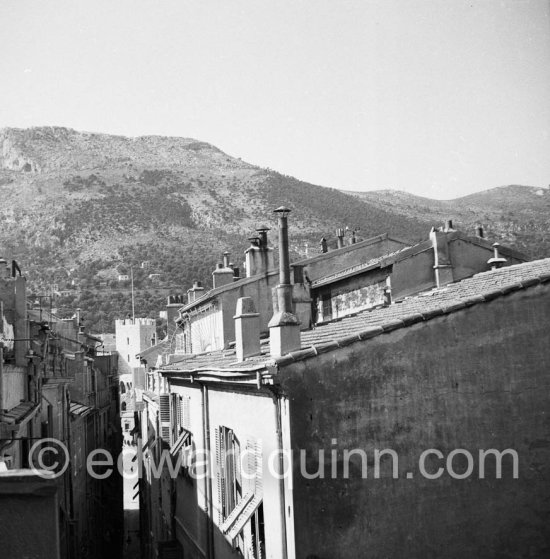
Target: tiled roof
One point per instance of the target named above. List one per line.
(18, 413)
(225, 360)
(480, 288)
(349, 248)
(406, 252)
(154, 351)
(378, 262)
(79, 409)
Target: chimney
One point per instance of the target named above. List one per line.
(195, 292)
(324, 247)
(4, 269)
(223, 274)
(353, 238)
(259, 257)
(247, 329)
(387, 292)
(262, 235)
(448, 226)
(284, 334)
(442, 259)
(251, 257)
(340, 237)
(479, 231)
(173, 304)
(497, 261)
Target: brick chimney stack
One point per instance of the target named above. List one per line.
(284, 334)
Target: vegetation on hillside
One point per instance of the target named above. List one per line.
(81, 211)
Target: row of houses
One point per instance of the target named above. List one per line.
(379, 400)
(58, 403)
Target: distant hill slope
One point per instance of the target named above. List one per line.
(515, 215)
(79, 209)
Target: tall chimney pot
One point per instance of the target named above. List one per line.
(340, 237)
(284, 326)
(262, 234)
(497, 261)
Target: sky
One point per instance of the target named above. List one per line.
(440, 98)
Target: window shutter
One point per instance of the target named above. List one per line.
(164, 404)
(186, 412)
(220, 482)
(252, 491)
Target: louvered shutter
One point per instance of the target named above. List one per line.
(164, 404)
(219, 473)
(186, 412)
(175, 417)
(252, 491)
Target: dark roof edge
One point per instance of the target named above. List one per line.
(349, 248)
(228, 287)
(407, 320)
(381, 262)
(503, 249)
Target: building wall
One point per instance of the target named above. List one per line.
(252, 417)
(414, 274)
(14, 298)
(14, 386)
(351, 255)
(215, 328)
(206, 331)
(21, 492)
(474, 379)
(132, 337)
(191, 504)
(469, 259)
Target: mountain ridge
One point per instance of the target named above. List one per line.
(98, 204)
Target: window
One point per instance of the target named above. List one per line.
(239, 482)
(180, 342)
(180, 436)
(127, 341)
(230, 457)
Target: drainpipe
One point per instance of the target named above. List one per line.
(281, 477)
(208, 478)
